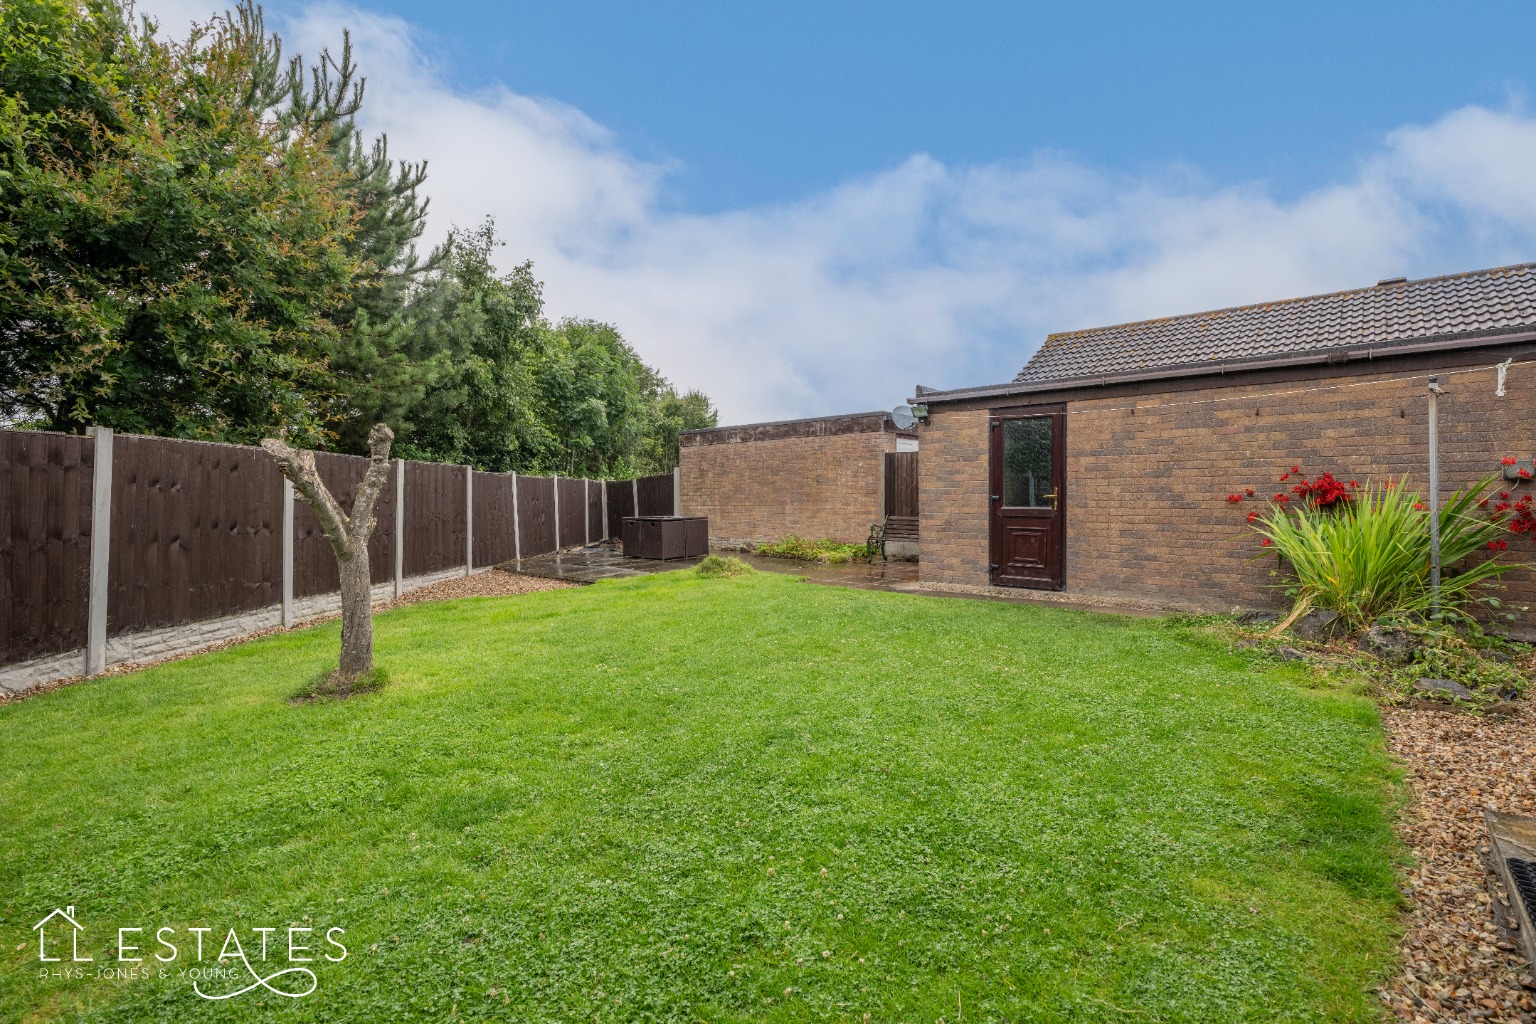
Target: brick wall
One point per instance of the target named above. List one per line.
(952, 496)
(761, 490)
(1147, 474)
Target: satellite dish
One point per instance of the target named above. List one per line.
(903, 417)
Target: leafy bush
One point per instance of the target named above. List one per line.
(723, 566)
(1368, 556)
(823, 550)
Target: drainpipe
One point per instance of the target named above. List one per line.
(1434, 495)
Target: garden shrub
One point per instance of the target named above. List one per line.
(1364, 552)
(822, 550)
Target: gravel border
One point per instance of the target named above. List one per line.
(1460, 960)
(490, 583)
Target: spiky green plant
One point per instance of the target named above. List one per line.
(1371, 557)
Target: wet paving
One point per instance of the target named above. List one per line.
(600, 562)
(590, 564)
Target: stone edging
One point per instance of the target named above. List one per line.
(155, 644)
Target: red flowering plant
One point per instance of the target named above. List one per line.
(1517, 514)
(1363, 551)
(1324, 493)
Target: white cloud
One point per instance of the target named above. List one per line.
(944, 275)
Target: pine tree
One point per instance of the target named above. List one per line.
(373, 343)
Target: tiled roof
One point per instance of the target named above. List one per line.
(1501, 299)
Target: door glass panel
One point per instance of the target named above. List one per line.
(1027, 462)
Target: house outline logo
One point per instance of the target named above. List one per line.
(68, 914)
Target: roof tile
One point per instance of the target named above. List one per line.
(1483, 300)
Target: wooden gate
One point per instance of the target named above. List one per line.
(901, 484)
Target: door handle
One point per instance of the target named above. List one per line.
(1052, 498)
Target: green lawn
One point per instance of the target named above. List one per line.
(682, 799)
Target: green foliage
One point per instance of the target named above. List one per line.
(609, 801)
(1370, 557)
(503, 389)
(475, 339)
(170, 261)
(670, 415)
(822, 550)
(1463, 653)
(372, 349)
(195, 241)
(716, 566)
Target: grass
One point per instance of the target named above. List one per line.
(678, 798)
(333, 685)
(723, 566)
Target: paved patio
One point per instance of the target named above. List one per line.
(588, 565)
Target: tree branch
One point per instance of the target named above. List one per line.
(299, 467)
(379, 440)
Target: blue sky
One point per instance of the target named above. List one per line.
(768, 102)
(808, 208)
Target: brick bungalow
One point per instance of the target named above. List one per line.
(1101, 470)
(821, 477)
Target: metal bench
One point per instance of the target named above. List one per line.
(890, 528)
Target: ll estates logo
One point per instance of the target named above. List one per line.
(270, 959)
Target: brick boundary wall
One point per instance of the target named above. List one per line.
(815, 478)
(1148, 472)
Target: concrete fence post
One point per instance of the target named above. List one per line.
(677, 490)
(399, 527)
(101, 548)
(556, 478)
(604, 485)
(517, 529)
(586, 503)
(287, 595)
(634, 489)
(469, 520)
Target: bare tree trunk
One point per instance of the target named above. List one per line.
(356, 615)
(348, 536)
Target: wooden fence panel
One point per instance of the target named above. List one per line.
(656, 495)
(536, 514)
(196, 532)
(495, 540)
(45, 542)
(901, 483)
(434, 517)
(573, 512)
(621, 504)
(314, 564)
(595, 510)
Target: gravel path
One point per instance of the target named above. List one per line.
(491, 583)
(1458, 963)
